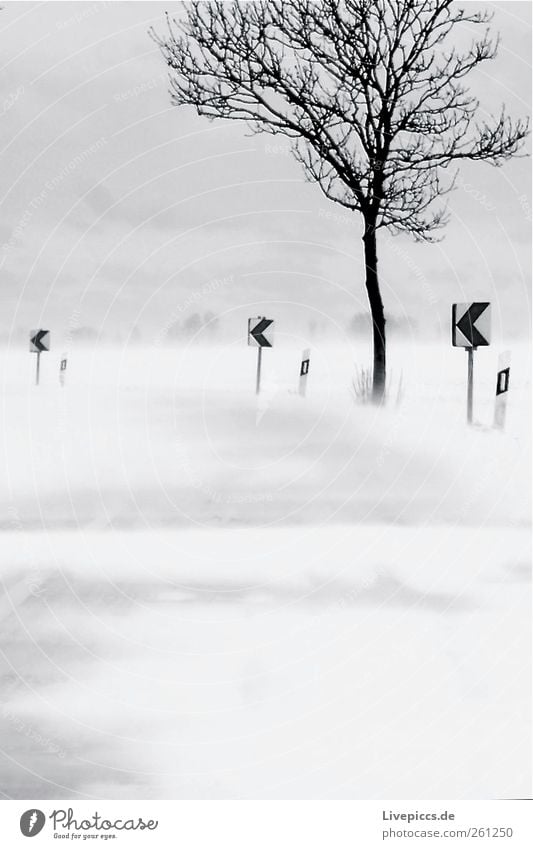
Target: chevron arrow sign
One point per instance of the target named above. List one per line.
(39, 341)
(261, 332)
(471, 325)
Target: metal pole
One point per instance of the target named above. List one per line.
(258, 378)
(470, 390)
(37, 369)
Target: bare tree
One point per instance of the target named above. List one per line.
(371, 92)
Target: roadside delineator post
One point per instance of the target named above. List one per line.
(62, 369)
(503, 378)
(304, 371)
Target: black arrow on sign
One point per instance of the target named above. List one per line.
(36, 340)
(467, 324)
(258, 331)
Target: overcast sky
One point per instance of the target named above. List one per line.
(119, 209)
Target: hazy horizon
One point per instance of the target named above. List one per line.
(119, 209)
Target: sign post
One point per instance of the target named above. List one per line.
(470, 386)
(258, 375)
(470, 330)
(258, 336)
(304, 371)
(502, 389)
(39, 342)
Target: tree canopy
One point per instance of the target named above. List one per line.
(372, 93)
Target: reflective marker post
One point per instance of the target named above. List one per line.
(62, 370)
(304, 371)
(502, 389)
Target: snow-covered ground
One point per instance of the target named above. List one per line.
(209, 595)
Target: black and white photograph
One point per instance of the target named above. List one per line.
(265, 466)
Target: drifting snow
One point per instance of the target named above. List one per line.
(212, 595)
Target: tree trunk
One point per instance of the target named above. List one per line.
(376, 310)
